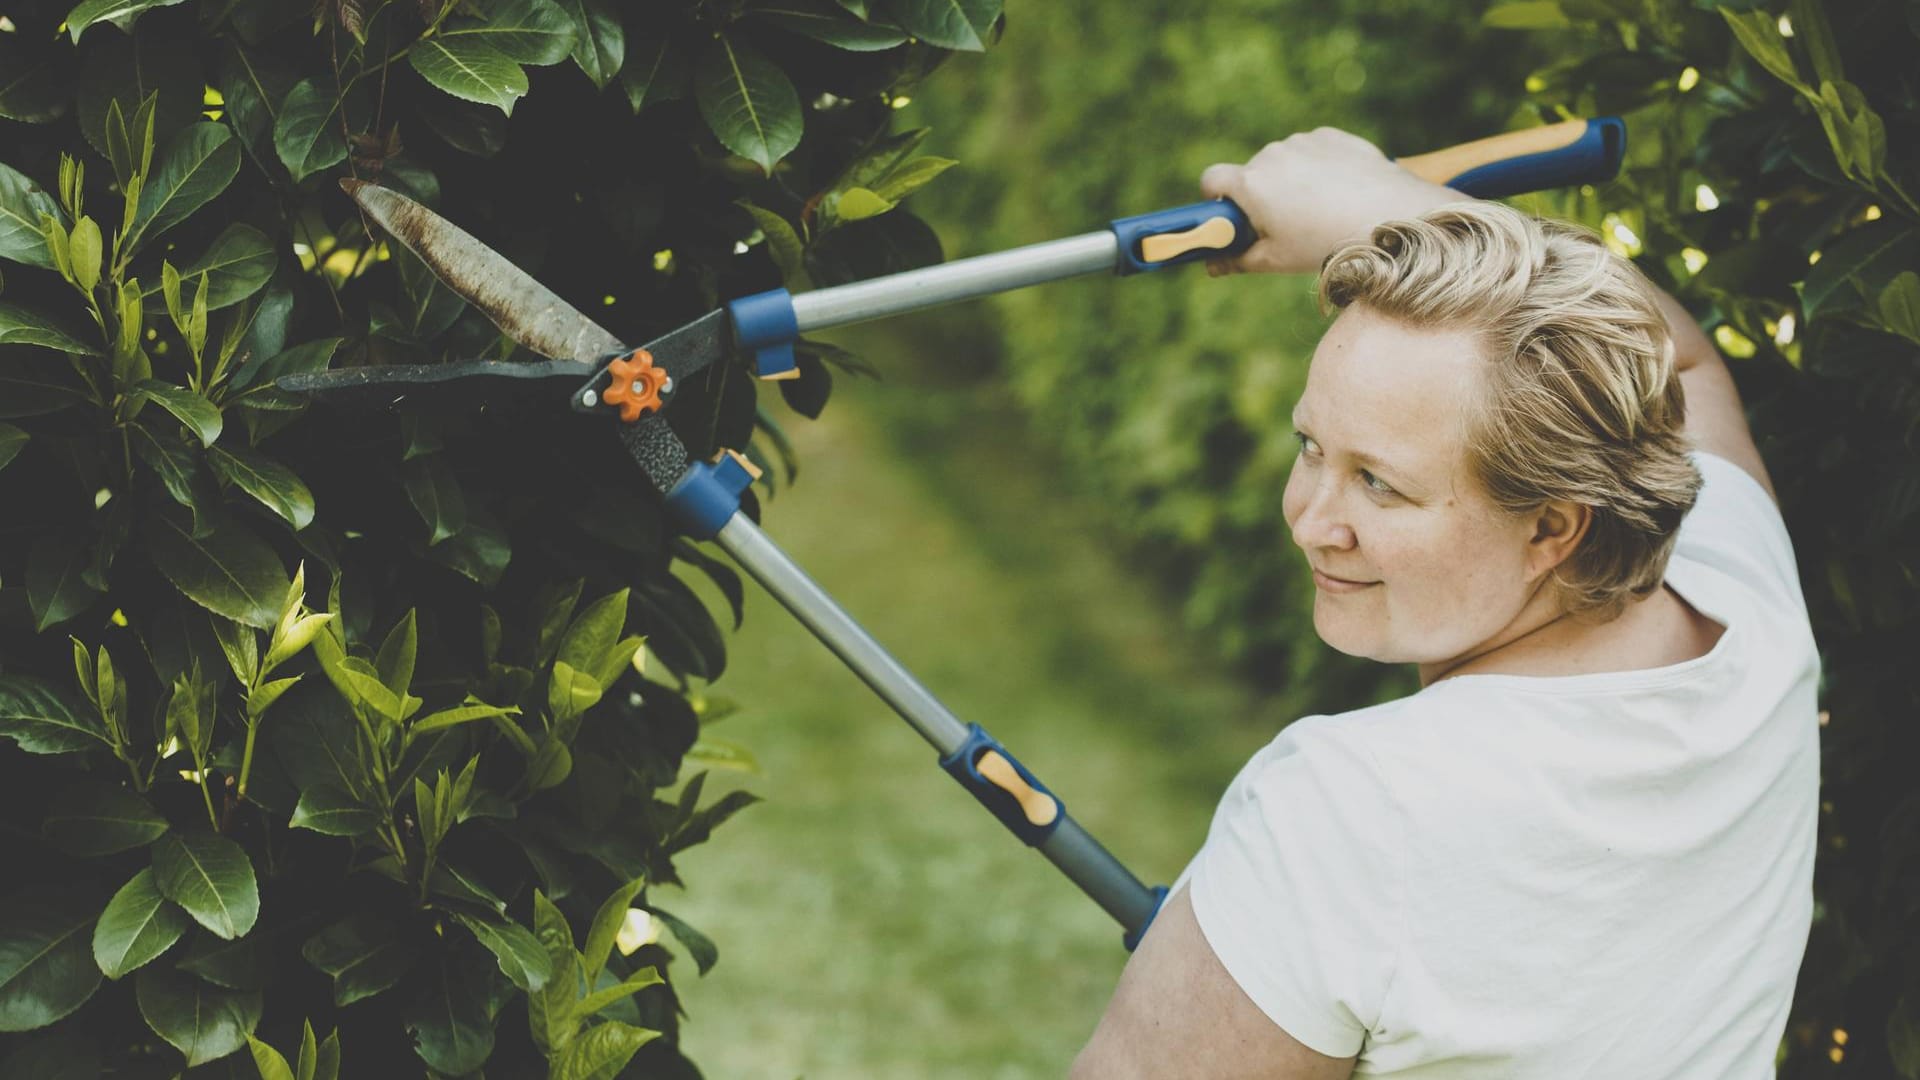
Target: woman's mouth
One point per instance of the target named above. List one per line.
(1328, 583)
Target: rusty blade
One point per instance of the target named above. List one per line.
(523, 309)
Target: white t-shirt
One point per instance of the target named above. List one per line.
(1605, 876)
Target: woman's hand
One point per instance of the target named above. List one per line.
(1312, 191)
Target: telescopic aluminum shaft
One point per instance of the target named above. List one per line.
(1069, 847)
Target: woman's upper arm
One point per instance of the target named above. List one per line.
(1178, 1013)
(1716, 421)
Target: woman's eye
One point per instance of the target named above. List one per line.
(1377, 484)
(1307, 445)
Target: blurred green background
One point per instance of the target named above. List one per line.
(1060, 508)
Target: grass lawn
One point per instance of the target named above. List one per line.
(873, 920)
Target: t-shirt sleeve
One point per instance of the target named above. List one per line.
(1300, 890)
(1735, 527)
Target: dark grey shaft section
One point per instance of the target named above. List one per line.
(1077, 854)
(1088, 253)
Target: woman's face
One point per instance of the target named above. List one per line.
(1412, 563)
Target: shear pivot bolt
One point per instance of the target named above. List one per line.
(637, 385)
(590, 399)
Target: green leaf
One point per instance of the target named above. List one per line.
(138, 925)
(748, 102)
(84, 249)
(239, 263)
(395, 660)
(617, 992)
(36, 715)
(262, 697)
(21, 204)
(1526, 15)
(950, 24)
(304, 359)
(705, 954)
(599, 39)
(333, 810)
(34, 88)
(480, 550)
(471, 70)
(447, 1015)
(552, 610)
(363, 956)
(535, 32)
(92, 817)
(829, 23)
(600, 1052)
(12, 441)
(229, 571)
(178, 467)
(459, 714)
(203, 1021)
(606, 927)
(1816, 35)
(783, 244)
(594, 631)
(522, 959)
(655, 71)
(273, 484)
(211, 877)
(18, 326)
(240, 964)
(268, 1061)
(570, 692)
(723, 754)
(307, 133)
(436, 495)
(1900, 305)
(191, 409)
(46, 968)
(1903, 1038)
(908, 177)
(857, 203)
(56, 588)
(1855, 268)
(1759, 34)
(196, 166)
(120, 13)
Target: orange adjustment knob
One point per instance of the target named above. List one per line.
(637, 385)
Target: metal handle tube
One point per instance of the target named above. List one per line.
(790, 585)
(1085, 862)
(1101, 876)
(1089, 253)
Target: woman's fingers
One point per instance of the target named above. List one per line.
(1221, 181)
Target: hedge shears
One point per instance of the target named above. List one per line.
(629, 389)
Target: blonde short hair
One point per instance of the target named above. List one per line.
(1581, 400)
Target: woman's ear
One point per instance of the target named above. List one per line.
(1558, 528)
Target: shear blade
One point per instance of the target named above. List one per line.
(523, 309)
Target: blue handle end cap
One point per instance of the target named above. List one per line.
(765, 323)
(708, 496)
(1131, 939)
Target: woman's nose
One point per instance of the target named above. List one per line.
(1320, 523)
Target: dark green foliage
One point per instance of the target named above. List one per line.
(322, 719)
(1169, 394)
(1757, 153)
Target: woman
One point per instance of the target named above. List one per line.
(1584, 848)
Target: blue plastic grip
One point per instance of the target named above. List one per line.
(961, 764)
(1131, 939)
(765, 323)
(707, 496)
(1594, 157)
(1131, 230)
